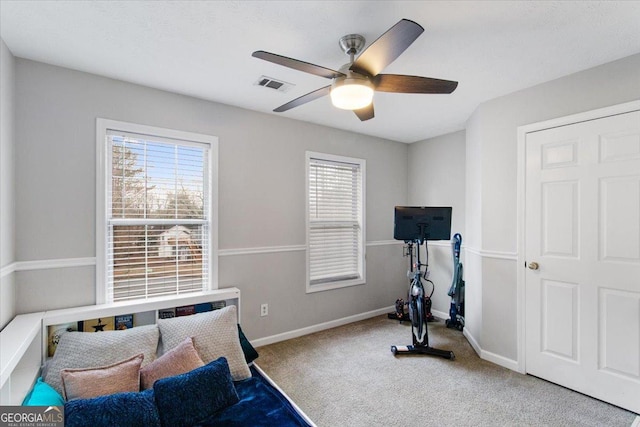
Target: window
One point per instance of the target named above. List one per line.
(335, 222)
(157, 212)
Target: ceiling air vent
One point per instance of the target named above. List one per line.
(274, 84)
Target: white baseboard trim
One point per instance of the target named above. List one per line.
(636, 422)
(472, 341)
(440, 314)
(505, 362)
(320, 327)
(488, 356)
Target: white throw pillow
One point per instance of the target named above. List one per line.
(77, 350)
(215, 334)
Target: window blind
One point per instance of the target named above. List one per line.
(335, 218)
(157, 216)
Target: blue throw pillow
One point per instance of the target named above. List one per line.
(250, 353)
(188, 399)
(42, 394)
(130, 409)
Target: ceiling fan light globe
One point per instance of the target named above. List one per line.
(350, 95)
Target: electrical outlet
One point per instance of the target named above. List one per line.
(264, 310)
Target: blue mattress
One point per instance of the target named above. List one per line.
(260, 405)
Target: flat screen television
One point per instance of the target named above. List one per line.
(422, 223)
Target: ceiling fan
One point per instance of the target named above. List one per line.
(354, 83)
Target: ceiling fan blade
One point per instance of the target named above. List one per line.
(297, 65)
(311, 96)
(387, 48)
(365, 113)
(412, 84)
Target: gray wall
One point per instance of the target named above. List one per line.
(491, 186)
(7, 187)
(261, 201)
(262, 170)
(437, 178)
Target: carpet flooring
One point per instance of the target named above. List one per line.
(347, 376)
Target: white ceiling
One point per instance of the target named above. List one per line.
(203, 49)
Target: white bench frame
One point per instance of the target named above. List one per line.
(23, 342)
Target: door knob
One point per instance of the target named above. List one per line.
(534, 266)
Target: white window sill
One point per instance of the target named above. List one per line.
(320, 287)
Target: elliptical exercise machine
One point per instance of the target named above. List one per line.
(415, 226)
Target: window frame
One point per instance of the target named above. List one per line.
(362, 249)
(103, 178)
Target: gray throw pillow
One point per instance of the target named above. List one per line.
(78, 350)
(215, 334)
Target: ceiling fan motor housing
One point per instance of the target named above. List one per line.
(351, 44)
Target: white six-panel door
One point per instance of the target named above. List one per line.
(582, 219)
